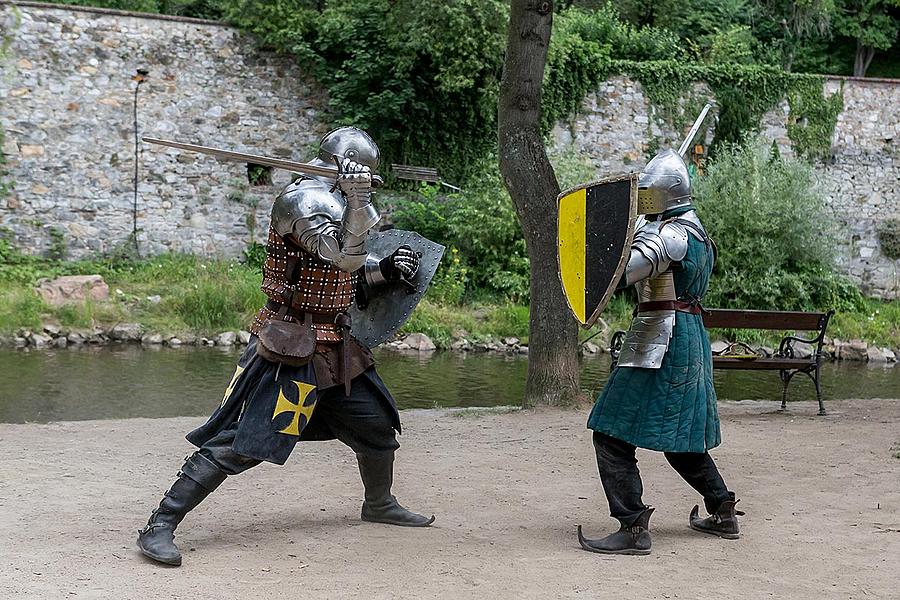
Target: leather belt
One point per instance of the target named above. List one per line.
(341, 319)
(300, 315)
(678, 305)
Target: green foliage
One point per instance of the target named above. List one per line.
(889, 237)
(775, 238)
(201, 9)
(255, 255)
(481, 225)
(420, 76)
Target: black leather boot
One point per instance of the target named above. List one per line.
(633, 539)
(377, 472)
(197, 478)
(723, 522)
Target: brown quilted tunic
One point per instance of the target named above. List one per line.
(318, 287)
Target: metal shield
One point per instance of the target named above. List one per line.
(390, 304)
(595, 226)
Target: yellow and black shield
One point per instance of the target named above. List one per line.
(595, 224)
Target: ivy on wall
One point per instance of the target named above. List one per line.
(589, 47)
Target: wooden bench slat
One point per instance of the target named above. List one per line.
(762, 319)
(724, 362)
(428, 174)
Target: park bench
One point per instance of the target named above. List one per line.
(786, 360)
(426, 174)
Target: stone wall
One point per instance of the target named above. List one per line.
(861, 180)
(66, 103)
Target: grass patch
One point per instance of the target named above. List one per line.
(206, 297)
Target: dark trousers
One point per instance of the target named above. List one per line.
(363, 421)
(622, 484)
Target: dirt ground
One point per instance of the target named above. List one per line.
(822, 496)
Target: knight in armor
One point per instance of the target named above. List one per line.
(660, 394)
(316, 257)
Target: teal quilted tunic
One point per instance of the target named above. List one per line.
(673, 408)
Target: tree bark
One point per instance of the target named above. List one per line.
(531, 181)
(864, 56)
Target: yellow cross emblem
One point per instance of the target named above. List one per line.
(283, 405)
(228, 391)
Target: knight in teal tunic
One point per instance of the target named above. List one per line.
(660, 395)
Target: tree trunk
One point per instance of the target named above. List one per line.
(529, 177)
(864, 56)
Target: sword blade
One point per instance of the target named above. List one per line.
(690, 136)
(266, 161)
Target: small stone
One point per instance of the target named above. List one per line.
(126, 332)
(153, 339)
(188, 338)
(20, 342)
(51, 329)
(522, 349)
(853, 350)
(719, 346)
(875, 355)
(420, 342)
(77, 337)
(173, 342)
(40, 341)
(460, 345)
(244, 337)
(889, 355)
(591, 348)
(60, 342)
(511, 341)
(226, 338)
(803, 350)
(155, 299)
(31, 151)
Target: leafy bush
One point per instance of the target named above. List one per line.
(775, 235)
(480, 224)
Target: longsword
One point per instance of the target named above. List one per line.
(690, 136)
(266, 161)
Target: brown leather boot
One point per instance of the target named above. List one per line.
(722, 523)
(633, 539)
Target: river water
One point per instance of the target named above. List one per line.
(132, 381)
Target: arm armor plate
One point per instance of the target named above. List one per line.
(323, 224)
(653, 249)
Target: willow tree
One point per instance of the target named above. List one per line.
(531, 181)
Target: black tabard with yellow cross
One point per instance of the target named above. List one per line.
(595, 227)
(270, 404)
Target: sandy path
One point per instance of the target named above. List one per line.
(822, 497)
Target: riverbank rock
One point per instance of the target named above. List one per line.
(853, 350)
(244, 337)
(153, 339)
(73, 289)
(461, 345)
(803, 350)
(126, 332)
(719, 346)
(420, 342)
(591, 348)
(875, 355)
(226, 338)
(889, 355)
(511, 341)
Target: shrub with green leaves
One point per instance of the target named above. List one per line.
(775, 235)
